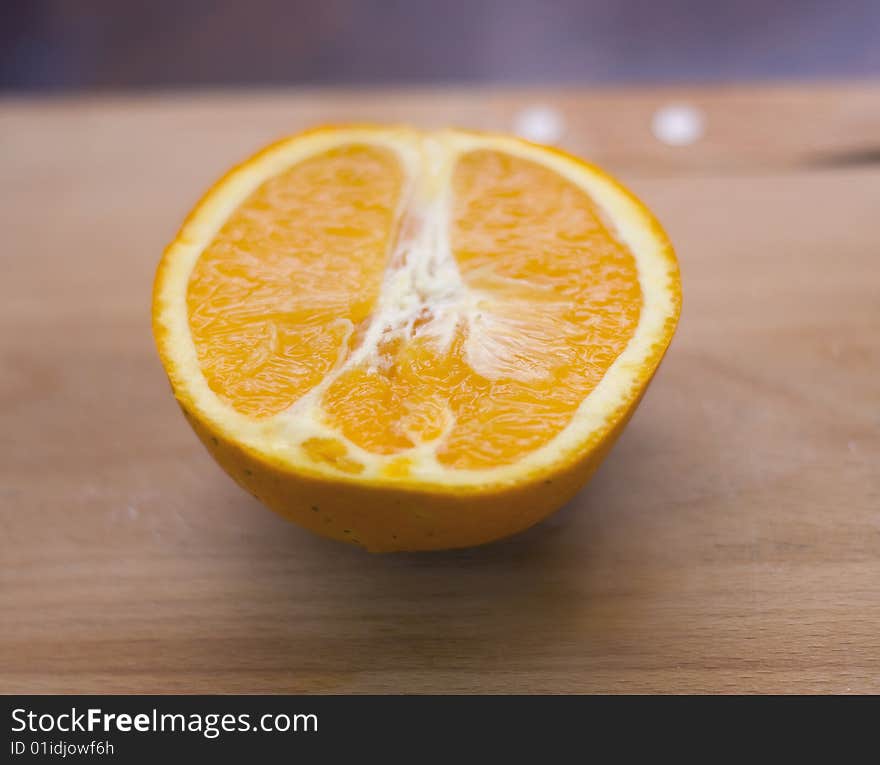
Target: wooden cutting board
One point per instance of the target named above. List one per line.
(731, 542)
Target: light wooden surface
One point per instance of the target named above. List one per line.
(731, 542)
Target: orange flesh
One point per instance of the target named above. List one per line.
(269, 298)
(285, 292)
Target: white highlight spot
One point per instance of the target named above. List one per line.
(541, 124)
(678, 124)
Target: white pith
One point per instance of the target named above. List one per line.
(422, 274)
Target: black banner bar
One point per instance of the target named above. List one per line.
(394, 728)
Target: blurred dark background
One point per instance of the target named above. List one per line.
(85, 45)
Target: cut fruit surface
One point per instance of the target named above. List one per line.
(415, 323)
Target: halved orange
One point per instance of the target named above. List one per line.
(413, 340)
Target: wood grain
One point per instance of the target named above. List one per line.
(731, 542)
